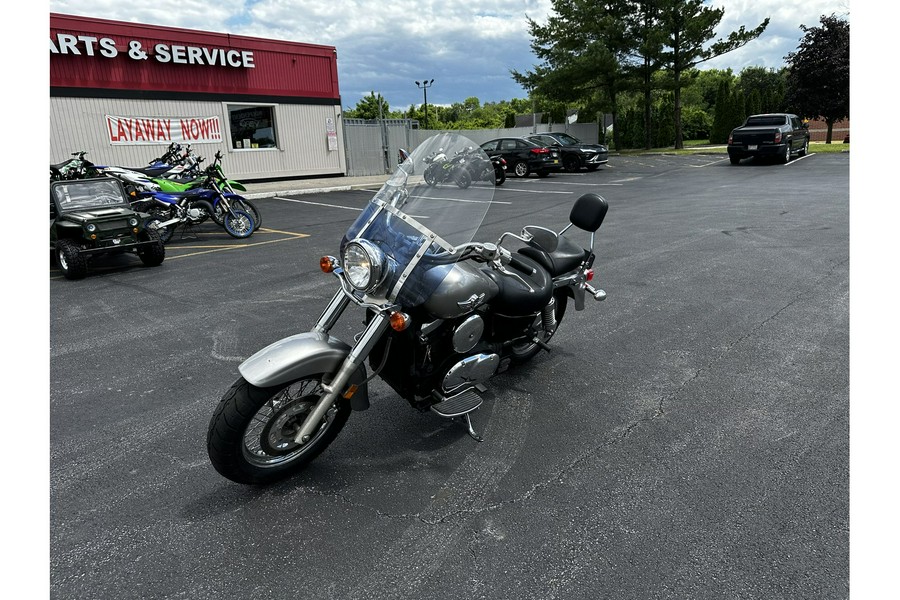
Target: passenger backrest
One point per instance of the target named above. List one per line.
(588, 212)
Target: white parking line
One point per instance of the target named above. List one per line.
(501, 188)
(318, 203)
(715, 162)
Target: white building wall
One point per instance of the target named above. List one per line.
(80, 124)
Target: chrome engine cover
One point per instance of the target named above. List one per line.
(470, 371)
(467, 334)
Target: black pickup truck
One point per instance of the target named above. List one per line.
(777, 135)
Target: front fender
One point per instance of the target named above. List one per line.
(302, 355)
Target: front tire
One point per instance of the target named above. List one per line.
(431, 176)
(250, 436)
(239, 224)
(805, 150)
(70, 260)
(521, 169)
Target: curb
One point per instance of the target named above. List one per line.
(303, 191)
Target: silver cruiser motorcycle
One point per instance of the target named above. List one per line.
(443, 315)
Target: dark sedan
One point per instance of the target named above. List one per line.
(575, 153)
(524, 156)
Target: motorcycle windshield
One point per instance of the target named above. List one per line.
(411, 232)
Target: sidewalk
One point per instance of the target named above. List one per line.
(311, 186)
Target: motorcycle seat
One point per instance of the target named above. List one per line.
(514, 299)
(567, 256)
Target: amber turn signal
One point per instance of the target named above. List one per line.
(400, 321)
(327, 264)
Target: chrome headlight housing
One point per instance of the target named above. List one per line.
(133, 222)
(363, 264)
(91, 228)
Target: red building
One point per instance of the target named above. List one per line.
(124, 91)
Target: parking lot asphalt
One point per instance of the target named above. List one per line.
(686, 438)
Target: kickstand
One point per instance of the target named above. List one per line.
(471, 430)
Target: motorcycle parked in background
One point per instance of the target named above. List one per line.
(229, 199)
(194, 206)
(77, 167)
(444, 314)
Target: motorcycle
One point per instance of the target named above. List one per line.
(444, 314)
(192, 207)
(77, 167)
(440, 168)
(472, 164)
(499, 164)
(226, 200)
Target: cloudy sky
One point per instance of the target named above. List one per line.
(468, 48)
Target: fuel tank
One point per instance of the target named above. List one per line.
(464, 288)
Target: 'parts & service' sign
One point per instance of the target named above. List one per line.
(104, 47)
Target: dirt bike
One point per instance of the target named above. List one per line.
(444, 314)
(77, 167)
(208, 199)
(226, 200)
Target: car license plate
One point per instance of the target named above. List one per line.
(555, 161)
(117, 241)
(751, 147)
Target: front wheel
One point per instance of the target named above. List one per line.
(251, 434)
(71, 262)
(239, 224)
(431, 175)
(239, 204)
(521, 169)
(805, 150)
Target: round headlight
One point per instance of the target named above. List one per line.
(91, 227)
(133, 222)
(363, 264)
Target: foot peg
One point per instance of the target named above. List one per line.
(460, 405)
(599, 295)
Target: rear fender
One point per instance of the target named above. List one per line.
(302, 355)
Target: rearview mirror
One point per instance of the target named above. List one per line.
(545, 239)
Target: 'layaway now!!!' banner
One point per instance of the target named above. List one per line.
(163, 130)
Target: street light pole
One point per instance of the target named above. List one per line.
(424, 85)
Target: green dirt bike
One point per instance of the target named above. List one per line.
(171, 186)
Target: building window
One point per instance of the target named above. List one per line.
(252, 127)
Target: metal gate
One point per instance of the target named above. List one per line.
(372, 146)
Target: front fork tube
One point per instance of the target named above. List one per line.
(373, 332)
(332, 312)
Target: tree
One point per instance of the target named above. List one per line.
(583, 50)
(689, 26)
(721, 118)
(369, 107)
(818, 83)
